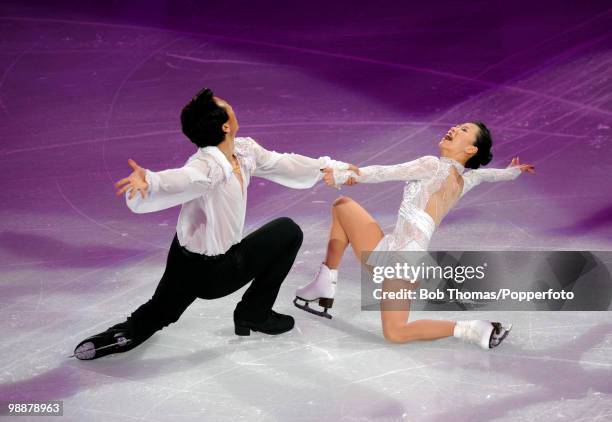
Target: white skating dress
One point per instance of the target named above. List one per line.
(433, 187)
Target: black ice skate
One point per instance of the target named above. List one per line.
(113, 340)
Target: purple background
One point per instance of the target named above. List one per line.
(86, 85)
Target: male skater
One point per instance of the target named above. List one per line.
(208, 257)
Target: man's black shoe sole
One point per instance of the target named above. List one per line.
(244, 329)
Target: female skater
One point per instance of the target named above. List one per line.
(433, 187)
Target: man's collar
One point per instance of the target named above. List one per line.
(220, 158)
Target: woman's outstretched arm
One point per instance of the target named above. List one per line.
(420, 168)
(475, 177)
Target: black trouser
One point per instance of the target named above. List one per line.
(264, 256)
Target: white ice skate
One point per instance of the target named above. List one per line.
(323, 289)
(485, 334)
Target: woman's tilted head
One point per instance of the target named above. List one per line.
(206, 119)
(470, 142)
(483, 142)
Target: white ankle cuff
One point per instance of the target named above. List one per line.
(332, 273)
(459, 329)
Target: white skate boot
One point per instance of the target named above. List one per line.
(323, 289)
(486, 334)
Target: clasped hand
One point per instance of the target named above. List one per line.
(328, 176)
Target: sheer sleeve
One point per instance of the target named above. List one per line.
(418, 169)
(172, 187)
(475, 177)
(291, 170)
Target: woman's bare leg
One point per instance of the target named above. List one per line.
(351, 223)
(394, 316)
(338, 240)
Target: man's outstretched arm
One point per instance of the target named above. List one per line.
(148, 191)
(292, 170)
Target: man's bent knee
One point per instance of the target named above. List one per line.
(291, 229)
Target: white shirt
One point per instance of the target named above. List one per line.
(213, 204)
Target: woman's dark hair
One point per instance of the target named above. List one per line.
(202, 120)
(483, 143)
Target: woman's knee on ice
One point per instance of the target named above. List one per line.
(392, 333)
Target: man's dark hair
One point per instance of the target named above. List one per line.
(202, 120)
(483, 143)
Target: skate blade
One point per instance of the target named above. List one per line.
(501, 331)
(308, 309)
(499, 327)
